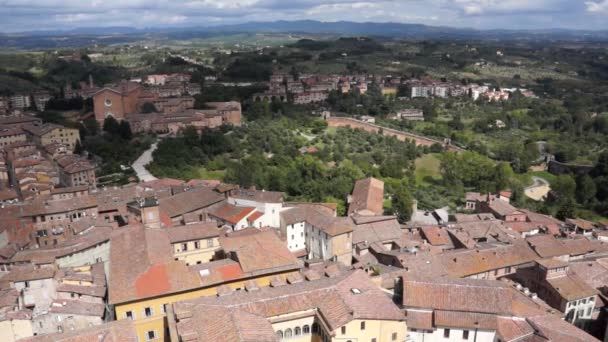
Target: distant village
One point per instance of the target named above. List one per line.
(201, 260)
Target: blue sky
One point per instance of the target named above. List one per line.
(25, 15)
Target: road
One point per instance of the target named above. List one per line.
(539, 190)
(140, 164)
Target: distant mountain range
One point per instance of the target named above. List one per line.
(391, 30)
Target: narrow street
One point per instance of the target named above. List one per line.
(140, 164)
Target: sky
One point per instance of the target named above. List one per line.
(28, 15)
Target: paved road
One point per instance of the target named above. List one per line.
(539, 190)
(140, 165)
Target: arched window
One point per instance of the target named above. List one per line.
(288, 333)
(315, 328)
(306, 329)
(280, 335)
(297, 331)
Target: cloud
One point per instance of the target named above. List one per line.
(597, 7)
(23, 15)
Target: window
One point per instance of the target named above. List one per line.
(151, 335)
(343, 330)
(306, 329)
(446, 333)
(209, 242)
(164, 308)
(148, 312)
(108, 102)
(184, 247)
(589, 311)
(197, 245)
(297, 331)
(288, 333)
(315, 328)
(280, 335)
(465, 334)
(394, 337)
(363, 325)
(129, 315)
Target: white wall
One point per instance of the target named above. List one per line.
(455, 335)
(296, 236)
(271, 211)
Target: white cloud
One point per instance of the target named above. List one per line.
(23, 15)
(597, 7)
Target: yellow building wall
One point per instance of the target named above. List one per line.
(382, 331)
(389, 91)
(193, 256)
(14, 330)
(157, 321)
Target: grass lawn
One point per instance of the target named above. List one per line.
(427, 168)
(203, 173)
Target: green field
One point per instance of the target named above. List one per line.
(428, 169)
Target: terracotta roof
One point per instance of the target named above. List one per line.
(465, 295)
(512, 329)
(259, 251)
(571, 287)
(437, 236)
(337, 300)
(558, 330)
(47, 207)
(77, 307)
(28, 273)
(593, 273)
(116, 331)
(257, 195)
(368, 195)
(198, 231)
(460, 263)
(142, 266)
(256, 215)
(502, 208)
(581, 224)
(69, 189)
(471, 320)
(229, 213)
(40, 130)
(551, 263)
(419, 319)
(379, 231)
(546, 246)
(189, 201)
(94, 236)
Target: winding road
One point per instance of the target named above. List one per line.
(140, 164)
(538, 190)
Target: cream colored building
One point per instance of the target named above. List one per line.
(45, 134)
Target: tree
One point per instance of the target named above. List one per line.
(402, 202)
(124, 130)
(111, 126)
(585, 189)
(566, 210)
(565, 186)
(191, 137)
